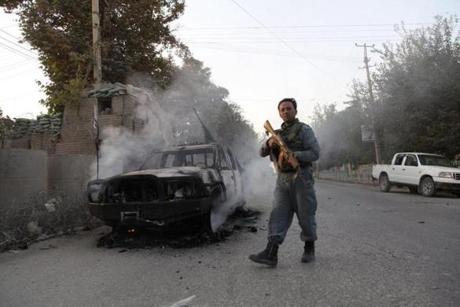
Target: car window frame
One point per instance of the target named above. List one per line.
(412, 157)
(398, 156)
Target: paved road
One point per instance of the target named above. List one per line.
(375, 249)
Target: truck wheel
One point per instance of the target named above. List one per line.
(413, 190)
(384, 183)
(427, 187)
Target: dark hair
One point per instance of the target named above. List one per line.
(291, 100)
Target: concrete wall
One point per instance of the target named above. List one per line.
(68, 175)
(23, 143)
(23, 175)
(362, 174)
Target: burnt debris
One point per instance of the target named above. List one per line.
(185, 234)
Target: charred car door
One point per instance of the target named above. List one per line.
(227, 173)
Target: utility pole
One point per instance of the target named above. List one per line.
(97, 72)
(375, 121)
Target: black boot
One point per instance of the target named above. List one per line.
(268, 256)
(309, 252)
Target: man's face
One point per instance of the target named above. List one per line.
(287, 111)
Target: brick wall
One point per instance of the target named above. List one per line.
(78, 133)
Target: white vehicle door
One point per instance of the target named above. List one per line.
(396, 172)
(410, 170)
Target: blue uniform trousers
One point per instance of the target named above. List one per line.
(293, 194)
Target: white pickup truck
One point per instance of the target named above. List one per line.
(421, 172)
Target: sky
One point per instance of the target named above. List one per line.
(260, 50)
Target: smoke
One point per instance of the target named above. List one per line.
(123, 149)
(168, 119)
(258, 178)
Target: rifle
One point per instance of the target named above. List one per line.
(285, 153)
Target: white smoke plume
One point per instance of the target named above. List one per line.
(169, 120)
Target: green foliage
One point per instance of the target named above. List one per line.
(5, 127)
(417, 90)
(136, 40)
(136, 36)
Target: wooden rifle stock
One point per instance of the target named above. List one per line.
(285, 153)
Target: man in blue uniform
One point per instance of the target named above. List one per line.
(294, 191)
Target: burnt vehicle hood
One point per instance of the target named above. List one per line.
(206, 174)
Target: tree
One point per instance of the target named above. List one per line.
(417, 90)
(5, 126)
(136, 41)
(136, 36)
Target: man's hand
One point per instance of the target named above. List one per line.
(272, 143)
(292, 159)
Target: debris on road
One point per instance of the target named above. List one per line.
(184, 303)
(180, 236)
(50, 246)
(33, 228)
(51, 204)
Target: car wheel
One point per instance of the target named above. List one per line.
(427, 187)
(413, 190)
(384, 183)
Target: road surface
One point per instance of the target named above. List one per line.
(374, 249)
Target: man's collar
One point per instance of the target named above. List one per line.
(286, 125)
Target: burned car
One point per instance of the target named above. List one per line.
(191, 182)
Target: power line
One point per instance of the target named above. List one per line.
(9, 34)
(266, 52)
(290, 40)
(330, 34)
(15, 43)
(276, 36)
(15, 65)
(16, 51)
(301, 26)
(17, 74)
(284, 30)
